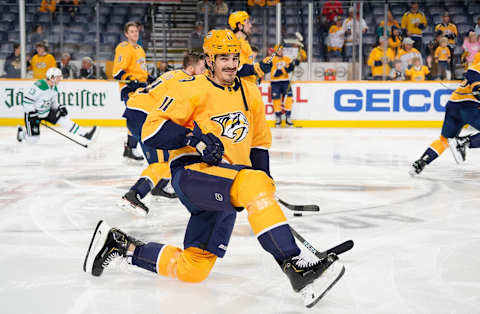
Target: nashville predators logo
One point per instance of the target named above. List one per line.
(234, 125)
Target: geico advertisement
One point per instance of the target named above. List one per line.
(83, 99)
(364, 101)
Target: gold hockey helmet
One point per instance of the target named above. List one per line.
(237, 17)
(220, 41)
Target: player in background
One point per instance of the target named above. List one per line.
(241, 26)
(218, 137)
(156, 176)
(40, 104)
(462, 108)
(282, 95)
(129, 66)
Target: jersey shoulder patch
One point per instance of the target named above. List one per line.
(41, 84)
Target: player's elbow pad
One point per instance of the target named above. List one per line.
(476, 92)
(170, 136)
(260, 160)
(246, 70)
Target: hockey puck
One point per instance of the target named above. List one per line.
(297, 214)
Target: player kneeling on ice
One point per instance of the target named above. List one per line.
(215, 129)
(40, 104)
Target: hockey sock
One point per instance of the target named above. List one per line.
(278, 116)
(70, 126)
(288, 113)
(277, 105)
(132, 141)
(142, 187)
(474, 141)
(254, 190)
(435, 150)
(156, 171)
(288, 103)
(146, 256)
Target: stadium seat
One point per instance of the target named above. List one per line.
(436, 10)
(83, 19)
(43, 18)
(8, 17)
(114, 28)
(460, 19)
(462, 30)
(141, 11)
(72, 37)
(120, 10)
(4, 27)
(456, 10)
(110, 38)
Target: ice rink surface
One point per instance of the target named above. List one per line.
(417, 240)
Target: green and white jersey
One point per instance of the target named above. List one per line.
(40, 97)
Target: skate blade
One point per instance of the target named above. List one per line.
(133, 162)
(98, 240)
(412, 172)
(131, 208)
(452, 144)
(316, 290)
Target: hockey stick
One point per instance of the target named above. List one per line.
(300, 208)
(338, 249)
(71, 139)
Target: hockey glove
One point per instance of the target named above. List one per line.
(266, 67)
(62, 110)
(133, 85)
(150, 79)
(207, 145)
(296, 62)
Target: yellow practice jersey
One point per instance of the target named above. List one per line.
(280, 64)
(470, 84)
(395, 44)
(239, 122)
(442, 53)
(130, 62)
(417, 74)
(375, 61)
(40, 65)
(146, 99)
(412, 21)
(476, 58)
(246, 57)
(448, 29)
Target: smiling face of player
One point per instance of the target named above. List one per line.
(132, 35)
(225, 68)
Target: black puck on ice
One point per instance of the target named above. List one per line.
(297, 214)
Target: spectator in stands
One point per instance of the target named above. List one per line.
(471, 46)
(443, 57)
(12, 66)
(37, 35)
(391, 22)
(413, 23)
(254, 52)
(205, 7)
(397, 74)
(196, 37)
(88, 70)
(41, 61)
(69, 71)
(220, 8)
(477, 27)
(335, 39)
(431, 47)
(71, 6)
(381, 59)
(163, 67)
(331, 9)
(395, 40)
(417, 72)
(347, 26)
(407, 53)
(449, 30)
(48, 6)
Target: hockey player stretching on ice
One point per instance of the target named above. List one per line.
(40, 104)
(217, 130)
(462, 108)
(156, 176)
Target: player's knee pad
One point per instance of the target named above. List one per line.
(440, 145)
(277, 105)
(194, 265)
(156, 171)
(288, 103)
(255, 191)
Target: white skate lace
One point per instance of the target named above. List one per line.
(110, 258)
(304, 260)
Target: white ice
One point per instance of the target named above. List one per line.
(417, 240)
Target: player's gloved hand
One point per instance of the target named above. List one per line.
(266, 67)
(296, 62)
(133, 85)
(150, 79)
(207, 145)
(62, 110)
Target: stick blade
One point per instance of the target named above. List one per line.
(342, 247)
(300, 208)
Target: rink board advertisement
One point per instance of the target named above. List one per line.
(316, 104)
(88, 102)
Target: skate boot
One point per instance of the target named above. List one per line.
(417, 167)
(165, 189)
(132, 153)
(106, 245)
(278, 120)
(458, 147)
(288, 122)
(20, 134)
(132, 204)
(313, 279)
(90, 135)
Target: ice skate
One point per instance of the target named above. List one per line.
(106, 245)
(20, 134)
(288, 122)
(92, 134)
(164, 190)
(278, 121)
(417, 167)
(313, 279)
(458, 147)
(132, 154)
(132, 204)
